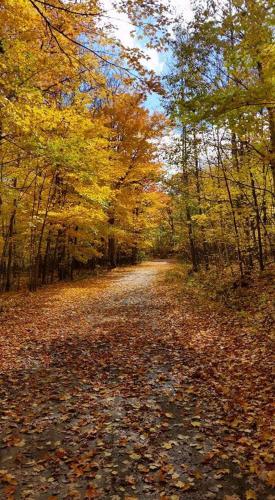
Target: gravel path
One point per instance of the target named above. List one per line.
(102, 397)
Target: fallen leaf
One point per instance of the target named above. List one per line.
(250, 495)
(167, 446)
(135, 456)
(183, 486)
(195, 423)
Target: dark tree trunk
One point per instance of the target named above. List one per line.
(112, 251)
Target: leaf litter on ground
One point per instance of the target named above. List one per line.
(124, 387)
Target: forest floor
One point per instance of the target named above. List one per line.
(128, 386)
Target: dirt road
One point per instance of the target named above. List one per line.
(104, 395)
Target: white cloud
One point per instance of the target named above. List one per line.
(154, 62)
(121, 24)
(183, 7)
(123, 30)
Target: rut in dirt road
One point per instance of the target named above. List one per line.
(102, 396)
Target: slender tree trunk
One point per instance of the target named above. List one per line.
(11, 244)
(134, 256)
(38, 259)
(258, 222)
(198, 187)
(240, 262)
(271, 123)
(46, 259)
(54, 259)
(271, 116)
(112, 257)
(185, 180)
(191, 240)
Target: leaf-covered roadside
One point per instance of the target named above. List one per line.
(125, 387)
(237, 355)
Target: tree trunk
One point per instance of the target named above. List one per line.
(258, 223)
(10, 244)
(112, 254)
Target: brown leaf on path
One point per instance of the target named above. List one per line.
(92, 492)
(183, 486)
(231, 497)
(250, 495)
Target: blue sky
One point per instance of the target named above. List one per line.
(157, 60)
